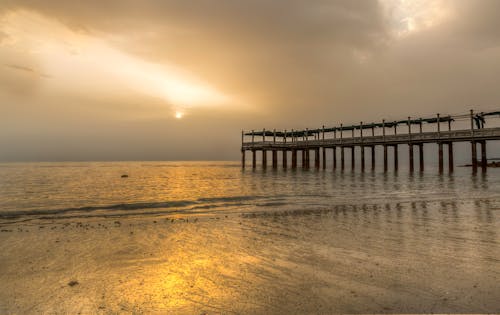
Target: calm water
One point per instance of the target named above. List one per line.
(210, 238)
(97, 189)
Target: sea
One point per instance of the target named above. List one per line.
(202, 237)
(87, 189)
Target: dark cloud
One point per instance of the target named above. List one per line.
(27, 69)
(21, 68)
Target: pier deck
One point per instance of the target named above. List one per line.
(300, 141)
(415, 138)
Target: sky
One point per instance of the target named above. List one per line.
(179, 80)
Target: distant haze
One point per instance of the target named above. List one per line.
(179, 80)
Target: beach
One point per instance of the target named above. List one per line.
(406, 255)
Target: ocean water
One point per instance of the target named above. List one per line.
(211, 238)
(56, 190)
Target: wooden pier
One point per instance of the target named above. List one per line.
(314, 143)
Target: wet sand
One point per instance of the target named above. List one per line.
(441, 257)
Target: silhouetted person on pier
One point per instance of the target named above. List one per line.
(479, 119)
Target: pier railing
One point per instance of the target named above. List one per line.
(424, 137)
(299, 141)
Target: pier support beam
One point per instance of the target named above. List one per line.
(421, 156)
(324, 156)
(362, 158)
(243, 158)
(474, 157)
(396, 160)
(254, 159)
(353, 158)
(306, 159)
(316, 158)
(440, 148)
(284, 155)
(294, 158)
(450, 157)
(334, 158)
(385, 157)
(373, 157)
(342, 162)
(275, 158)
(484, 159)
(264, 158)
(410, 152)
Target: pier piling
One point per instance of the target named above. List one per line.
(323, 151)
(316, 158)
(342, 163)
(421, 156)
(474, 156)
(334, 158)
(440, 149)
(373, 156)
(353, 158)
(396, 160)
(450, 157)
(410, 152)
(362, 158)
(385, 158)
(484, 161)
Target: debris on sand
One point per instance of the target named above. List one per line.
(72, 283)
(124, 176)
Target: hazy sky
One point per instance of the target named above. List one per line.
(104, 80)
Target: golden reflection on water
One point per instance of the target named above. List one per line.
(186, 267)
(427, 254)
(407, 257)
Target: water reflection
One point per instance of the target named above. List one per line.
(299, 241)
(416, 256)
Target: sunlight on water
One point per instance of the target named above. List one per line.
(89, 189)
(208, 237)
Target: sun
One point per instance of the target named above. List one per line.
(179, 115)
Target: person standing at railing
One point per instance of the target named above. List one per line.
(479, 119)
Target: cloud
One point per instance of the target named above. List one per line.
(259, 49)
(294, 63)
(27, 69)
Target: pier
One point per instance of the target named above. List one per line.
(313, 144)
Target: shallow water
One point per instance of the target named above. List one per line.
(195, 237)
(55, 190)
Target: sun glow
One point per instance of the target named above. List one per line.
(410, 16)
(179, 115)
(81, 61)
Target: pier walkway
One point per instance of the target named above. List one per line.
(316, 140)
